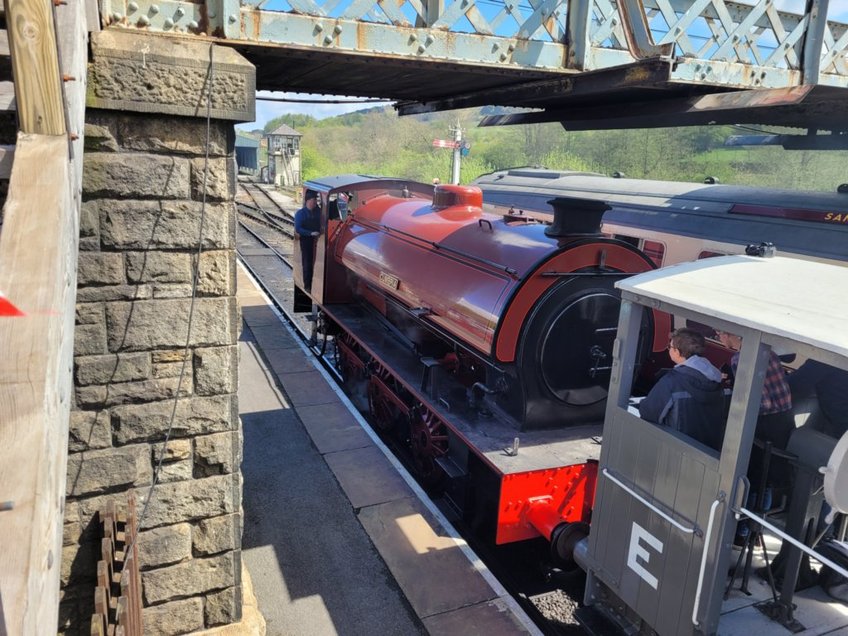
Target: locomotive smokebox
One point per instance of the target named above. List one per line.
(573, 215)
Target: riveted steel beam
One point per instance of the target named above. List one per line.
(713, 43)
(648, 75)
(383, 40)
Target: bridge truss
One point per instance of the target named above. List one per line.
(585, 62)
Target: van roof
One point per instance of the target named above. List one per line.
(789, 300)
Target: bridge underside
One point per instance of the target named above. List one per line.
(587, 63)
(393, 78)
(640, 95)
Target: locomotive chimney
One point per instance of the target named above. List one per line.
(576, 216)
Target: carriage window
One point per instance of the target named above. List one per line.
(655, 251)
(630, 240)
(708, 254)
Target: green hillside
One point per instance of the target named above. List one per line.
(377, 141)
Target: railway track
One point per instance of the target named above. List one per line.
(270, 207)
(549, 596)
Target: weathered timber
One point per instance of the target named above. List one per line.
(35, 66)
(117, 597)
(72, 33)
(38, 249)
(38, 252)
(92, 15)
(7, 97)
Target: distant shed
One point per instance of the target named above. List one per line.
(247, 154)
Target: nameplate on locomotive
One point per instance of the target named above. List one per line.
(392, 282)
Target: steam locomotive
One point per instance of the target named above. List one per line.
(477, 327)
(481, 342)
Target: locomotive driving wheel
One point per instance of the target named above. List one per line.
(348, 360)
(388, 412)
(429, 437)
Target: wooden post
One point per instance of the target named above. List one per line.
(35, 66)
(38, 274)
(38, 263)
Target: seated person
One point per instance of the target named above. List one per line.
(774, 422)
(689, 397)
(830, 386)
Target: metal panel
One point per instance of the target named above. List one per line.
(653, 505)
(680, 480)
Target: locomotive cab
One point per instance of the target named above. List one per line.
(667, 506)
(338, 196)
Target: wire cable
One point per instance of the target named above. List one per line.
(194, 282)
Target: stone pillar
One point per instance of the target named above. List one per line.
(143, 186)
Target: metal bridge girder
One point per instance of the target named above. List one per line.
(714, 42)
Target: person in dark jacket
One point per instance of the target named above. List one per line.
(307, 226)
(830, 386)
(689, 397)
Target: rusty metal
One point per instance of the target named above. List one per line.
(117, 597)
(464, 53)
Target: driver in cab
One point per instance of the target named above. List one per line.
(688, 397)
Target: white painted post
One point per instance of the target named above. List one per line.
(455, 164)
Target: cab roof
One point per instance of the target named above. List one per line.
(349, 181)
(788, 300)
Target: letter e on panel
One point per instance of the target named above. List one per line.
(638, 556)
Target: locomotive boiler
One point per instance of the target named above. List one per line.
(482, 343)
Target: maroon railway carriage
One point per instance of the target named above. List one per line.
(480, 342)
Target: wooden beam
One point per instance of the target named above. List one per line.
(72, 31)
(38, 261)
(35, 66)
(92, 15)
(38, 250)
(7, 97)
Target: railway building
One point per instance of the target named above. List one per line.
(284, 166)
(247, 154)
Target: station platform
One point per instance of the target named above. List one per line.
(338, 538)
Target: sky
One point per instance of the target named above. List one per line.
(266, 111)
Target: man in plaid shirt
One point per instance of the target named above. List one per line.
(775, 422)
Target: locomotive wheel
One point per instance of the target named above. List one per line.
(349, 364)
(384, 411)
(429, 441)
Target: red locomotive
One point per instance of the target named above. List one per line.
(481, 342)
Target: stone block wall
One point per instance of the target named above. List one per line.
(144, 174)
(140, 225)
